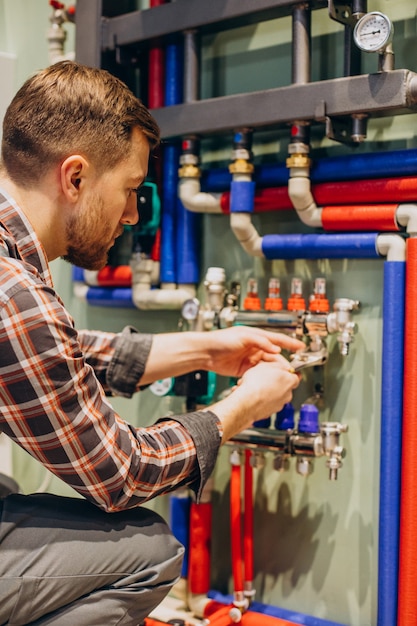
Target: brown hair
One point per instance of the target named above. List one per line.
(66, 109)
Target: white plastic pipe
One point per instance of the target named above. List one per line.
(195, 200)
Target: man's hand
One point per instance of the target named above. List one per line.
(233, 351)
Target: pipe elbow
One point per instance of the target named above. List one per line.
(299, 191)
(148, 299)
(195, 200)
(391, 246)
(406, 216)
(246, 233)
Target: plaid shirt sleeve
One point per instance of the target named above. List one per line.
(53, 405)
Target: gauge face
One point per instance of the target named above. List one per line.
(373, 32)
(190, 309)
(162, 387)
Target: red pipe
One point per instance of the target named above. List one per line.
(156, 70)
(407, 589)
(368, 217)
(120, 276)
(235, 526)
(380, 190)
(248, 521)
(268, 199)
(402, 189)
(199, 565)
(217, 614)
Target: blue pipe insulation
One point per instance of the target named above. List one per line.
(242, 196)
(179, 227)
(77, 274)
(317, 246)
(116, 297)
(171, 157)
(187, 245)
(173, 74)
(329, 169)
(275, 611)
(391, 425)
(179, 522)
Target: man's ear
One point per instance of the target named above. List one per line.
(74, 171)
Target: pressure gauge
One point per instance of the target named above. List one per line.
(373, 32)
(190, 309)
(162, 387)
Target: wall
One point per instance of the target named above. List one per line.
(317, 546)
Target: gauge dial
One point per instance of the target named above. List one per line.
(190, 309)
(162, 387)
(373, 32)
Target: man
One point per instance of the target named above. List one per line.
(75, 148)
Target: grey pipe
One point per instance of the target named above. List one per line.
(301, 44)
(191, 67)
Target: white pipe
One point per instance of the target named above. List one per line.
(168, 297)
(391, 246)
(246, 233)
(299, 191)
(406, 215)
(195, 200)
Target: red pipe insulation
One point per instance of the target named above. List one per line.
(235, 526)
(363, 218)
(120, 276)
(370, 191)
(199, 564)
(248, 519)
(268, 199)
(407, 589)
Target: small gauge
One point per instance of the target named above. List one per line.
(190, 309)
(373, 32)
(162, 387)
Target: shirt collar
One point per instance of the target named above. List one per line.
(26, 240)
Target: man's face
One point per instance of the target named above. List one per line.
(105, 207)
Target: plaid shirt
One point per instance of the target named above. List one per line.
(53, 386)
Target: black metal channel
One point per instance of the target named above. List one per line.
(376, 95)
(183, 15)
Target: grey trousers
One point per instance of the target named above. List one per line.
(64, 562)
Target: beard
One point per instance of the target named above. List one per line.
(90, 235)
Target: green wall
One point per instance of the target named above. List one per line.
(316, 545)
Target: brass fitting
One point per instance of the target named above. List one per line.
(189, 170)
(298, 160)
(241, 166)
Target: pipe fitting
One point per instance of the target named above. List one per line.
(195, 200)
(391, 246)
(407, 216)
(246, 233)
(298, 160)
(340, 321)
(241, 166)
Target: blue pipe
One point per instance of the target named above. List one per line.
(179, 521)
(329, 169)
(77, 274)
(115, 297)
(274, 611)
(173, 74)
(171, 154)
(187, 248)
(169, 204)
(317, 246)
(186, 223)
(391, 424)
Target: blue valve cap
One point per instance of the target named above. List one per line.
(309, 419)
(285, 418)
(265, 423)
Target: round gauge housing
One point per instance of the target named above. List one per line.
(373, 32)
(190, 309)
